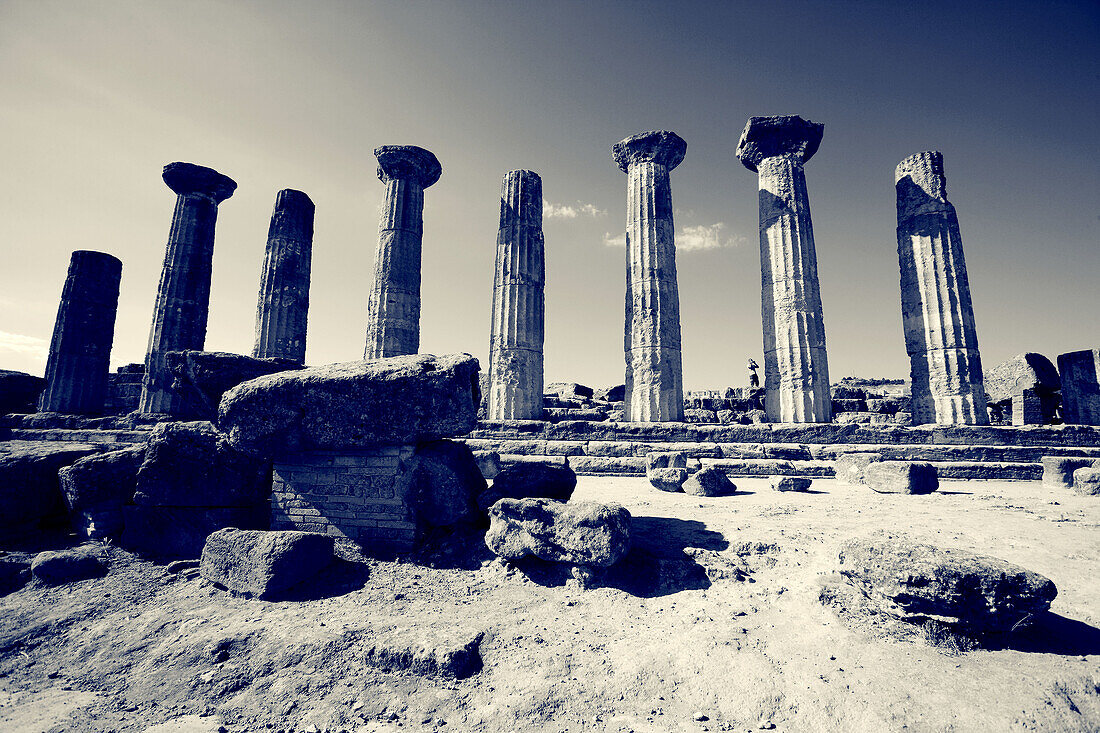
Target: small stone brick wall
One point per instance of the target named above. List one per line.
(350, 494)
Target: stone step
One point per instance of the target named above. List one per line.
(761, 467)
(80, 436)
(779, 451)
(816, 434)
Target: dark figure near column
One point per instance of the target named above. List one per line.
(754, 380)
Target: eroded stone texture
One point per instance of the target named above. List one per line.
(80, 352)
(1080, 388)
(183, 297)
(654, 371)
(937, 314)
(393, 312)
(283, 306)
(796, 367)
(515, 348)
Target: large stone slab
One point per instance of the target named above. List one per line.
(585, 533)
(67, 566)
(189, 464)
(263, 564)
(1086, 481)
(200, 378)
(918, 583)
(29, 488)
(529, 481)
(443, 481)
(709, 481)
(1058, 470)
(96, 488)
(1023, 371)
(1080, 386)
(399, 400)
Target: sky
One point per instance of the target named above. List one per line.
(97, 97)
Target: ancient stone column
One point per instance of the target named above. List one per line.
(936, 311)
(796, 367)
(393, 313)
(654, 372)
(183, 298)
(284, 284)
(515, 348)
(80, 352)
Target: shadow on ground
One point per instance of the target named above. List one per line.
(657, 564)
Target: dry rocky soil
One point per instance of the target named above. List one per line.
(716, 622)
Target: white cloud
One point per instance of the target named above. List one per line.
(614, 240)
(28, 345)
(567, 211)
(689, 238)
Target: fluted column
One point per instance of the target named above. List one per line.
(284, 284)
(936, 311)
(654, 370)
(515, 348)
(393, 312)
(80, 352)
(796, 367)
(183, 297)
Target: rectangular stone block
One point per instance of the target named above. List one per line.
(1080, 390)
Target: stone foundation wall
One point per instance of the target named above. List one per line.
(350, 494)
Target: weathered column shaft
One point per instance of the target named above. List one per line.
(654, 366)
(654, 370)
(393, 311)
(515, 347)
(393, 322)
(937, 314)
(183, 297)
(796, 366)
(78, 366)
(283, 309)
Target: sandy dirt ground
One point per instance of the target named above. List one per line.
(715, 624)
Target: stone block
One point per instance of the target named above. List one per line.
(585, 533)
(667, 479)
(68, 566)
(1086, 481)
(790, 483)
(30, 491)
(264, 564)
(96, 487)
(850, 467)
(901, 477)
(709, 481)
(1058, 470)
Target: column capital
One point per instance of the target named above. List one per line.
(659, 146)
(407, 162)
(768, 137)
(188, 178)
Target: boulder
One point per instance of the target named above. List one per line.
(200, 378)
(709, 481)
(901, 477)
(530, 481)
(726, 417)
(488, 461)
(29, 488)
(903, 418)
(916, 582)
(15, 571)
(667, 459)
(67, 566)
(1080, 388)
(399, 401)
(263, 564)
(700, 417)
(443, 481)
(1086, 481)
(1023, 371)
(586, 533)
(19, 391)
(850, 467)
(1058, 470)
(189, 464)
(790, 483)
(95, 489)
(567, 390)
(755, 417)
(612, 394)
(667, 479)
